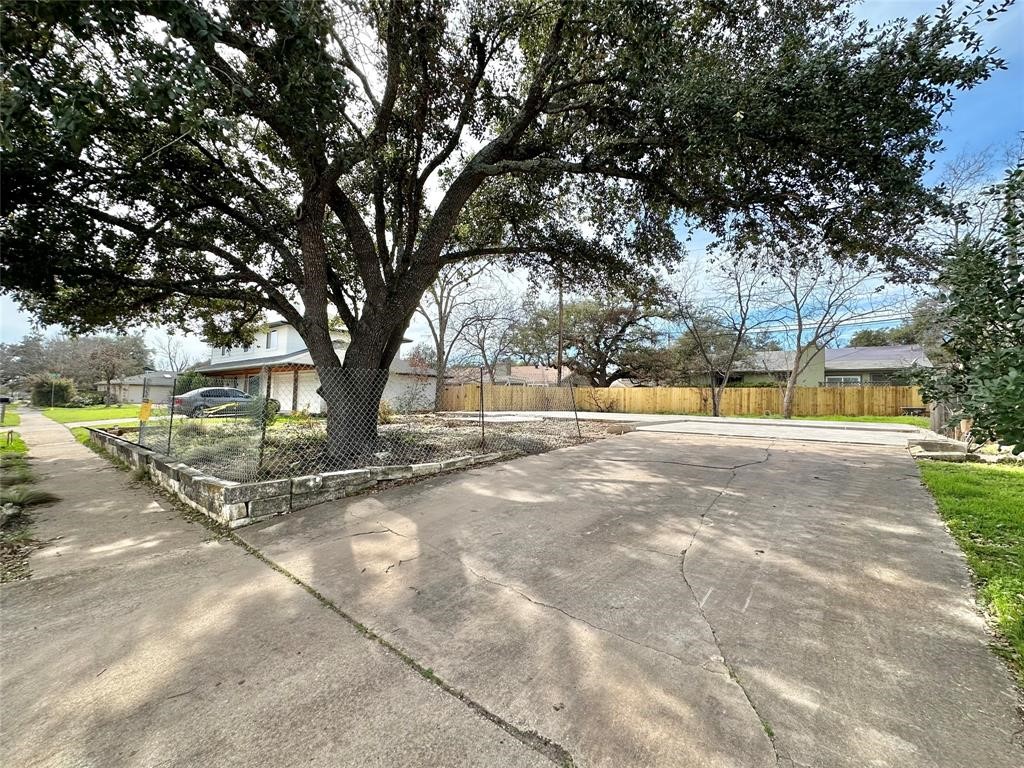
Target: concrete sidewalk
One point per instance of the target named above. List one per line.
(142, 639)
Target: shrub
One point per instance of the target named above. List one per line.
(385, 413)
(46, 391)
(86, 400)
(190, 380)
(264, 410)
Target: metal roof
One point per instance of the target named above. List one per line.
(154, 377)
(876, 358)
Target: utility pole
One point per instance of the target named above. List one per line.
(558, 356)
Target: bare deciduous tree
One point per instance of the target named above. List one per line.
(729, 309)
(973, 213)
(448, 306)
(490, 328)
(813, 300)
(172, 355)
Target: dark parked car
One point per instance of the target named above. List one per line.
(219, 401)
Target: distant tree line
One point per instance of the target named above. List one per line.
(65, 365)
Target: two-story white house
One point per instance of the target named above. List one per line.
(293, 379)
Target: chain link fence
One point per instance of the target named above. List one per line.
(271, 424)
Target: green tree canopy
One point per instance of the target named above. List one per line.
(925, 327)
(604, 339)
(85, 360)
(982, 304)
(186, 161)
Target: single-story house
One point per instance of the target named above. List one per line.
(153, 385)
(507, 374)
(842, 367)
(293, 378)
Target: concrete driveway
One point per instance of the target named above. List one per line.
(654, 599)
(665, 599)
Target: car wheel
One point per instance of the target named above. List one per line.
(198, 412)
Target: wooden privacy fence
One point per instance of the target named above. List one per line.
(810, 401)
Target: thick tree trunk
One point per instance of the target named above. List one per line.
(353, 390)
(353, 402)
(439, 371)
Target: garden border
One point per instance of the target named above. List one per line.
(239, 504)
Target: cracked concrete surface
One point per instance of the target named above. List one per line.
(655, 599)
(660, 599)
(699, 602)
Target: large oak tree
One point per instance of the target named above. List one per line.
(184, 161)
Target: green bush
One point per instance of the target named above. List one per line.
(86, 400)
(190, 380)
(47, 391)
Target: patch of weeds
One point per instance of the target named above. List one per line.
(768, 728)
(16, 543)
(14, 470)
(23, 496)
(190, 429)
(12, 460)
(11, 442)
(140, 474)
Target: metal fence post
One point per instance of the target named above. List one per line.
(263, 422)
(170, 413)
(483, 433)
(145, 397)
(575, 413)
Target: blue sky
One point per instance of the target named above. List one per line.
(990, 116)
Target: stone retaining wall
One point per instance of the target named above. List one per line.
(237, 504)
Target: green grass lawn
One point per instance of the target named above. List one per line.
(11, 417)
(67, 415)
(15, 529)
(17, 445)
(916, 421)
(983, 505)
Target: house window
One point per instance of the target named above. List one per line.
(842, 381)
(272, 340)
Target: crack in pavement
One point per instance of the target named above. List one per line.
(691, 464)
(700, 603)
(552, 607)
(544, 746)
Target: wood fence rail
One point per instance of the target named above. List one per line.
(810, 401)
